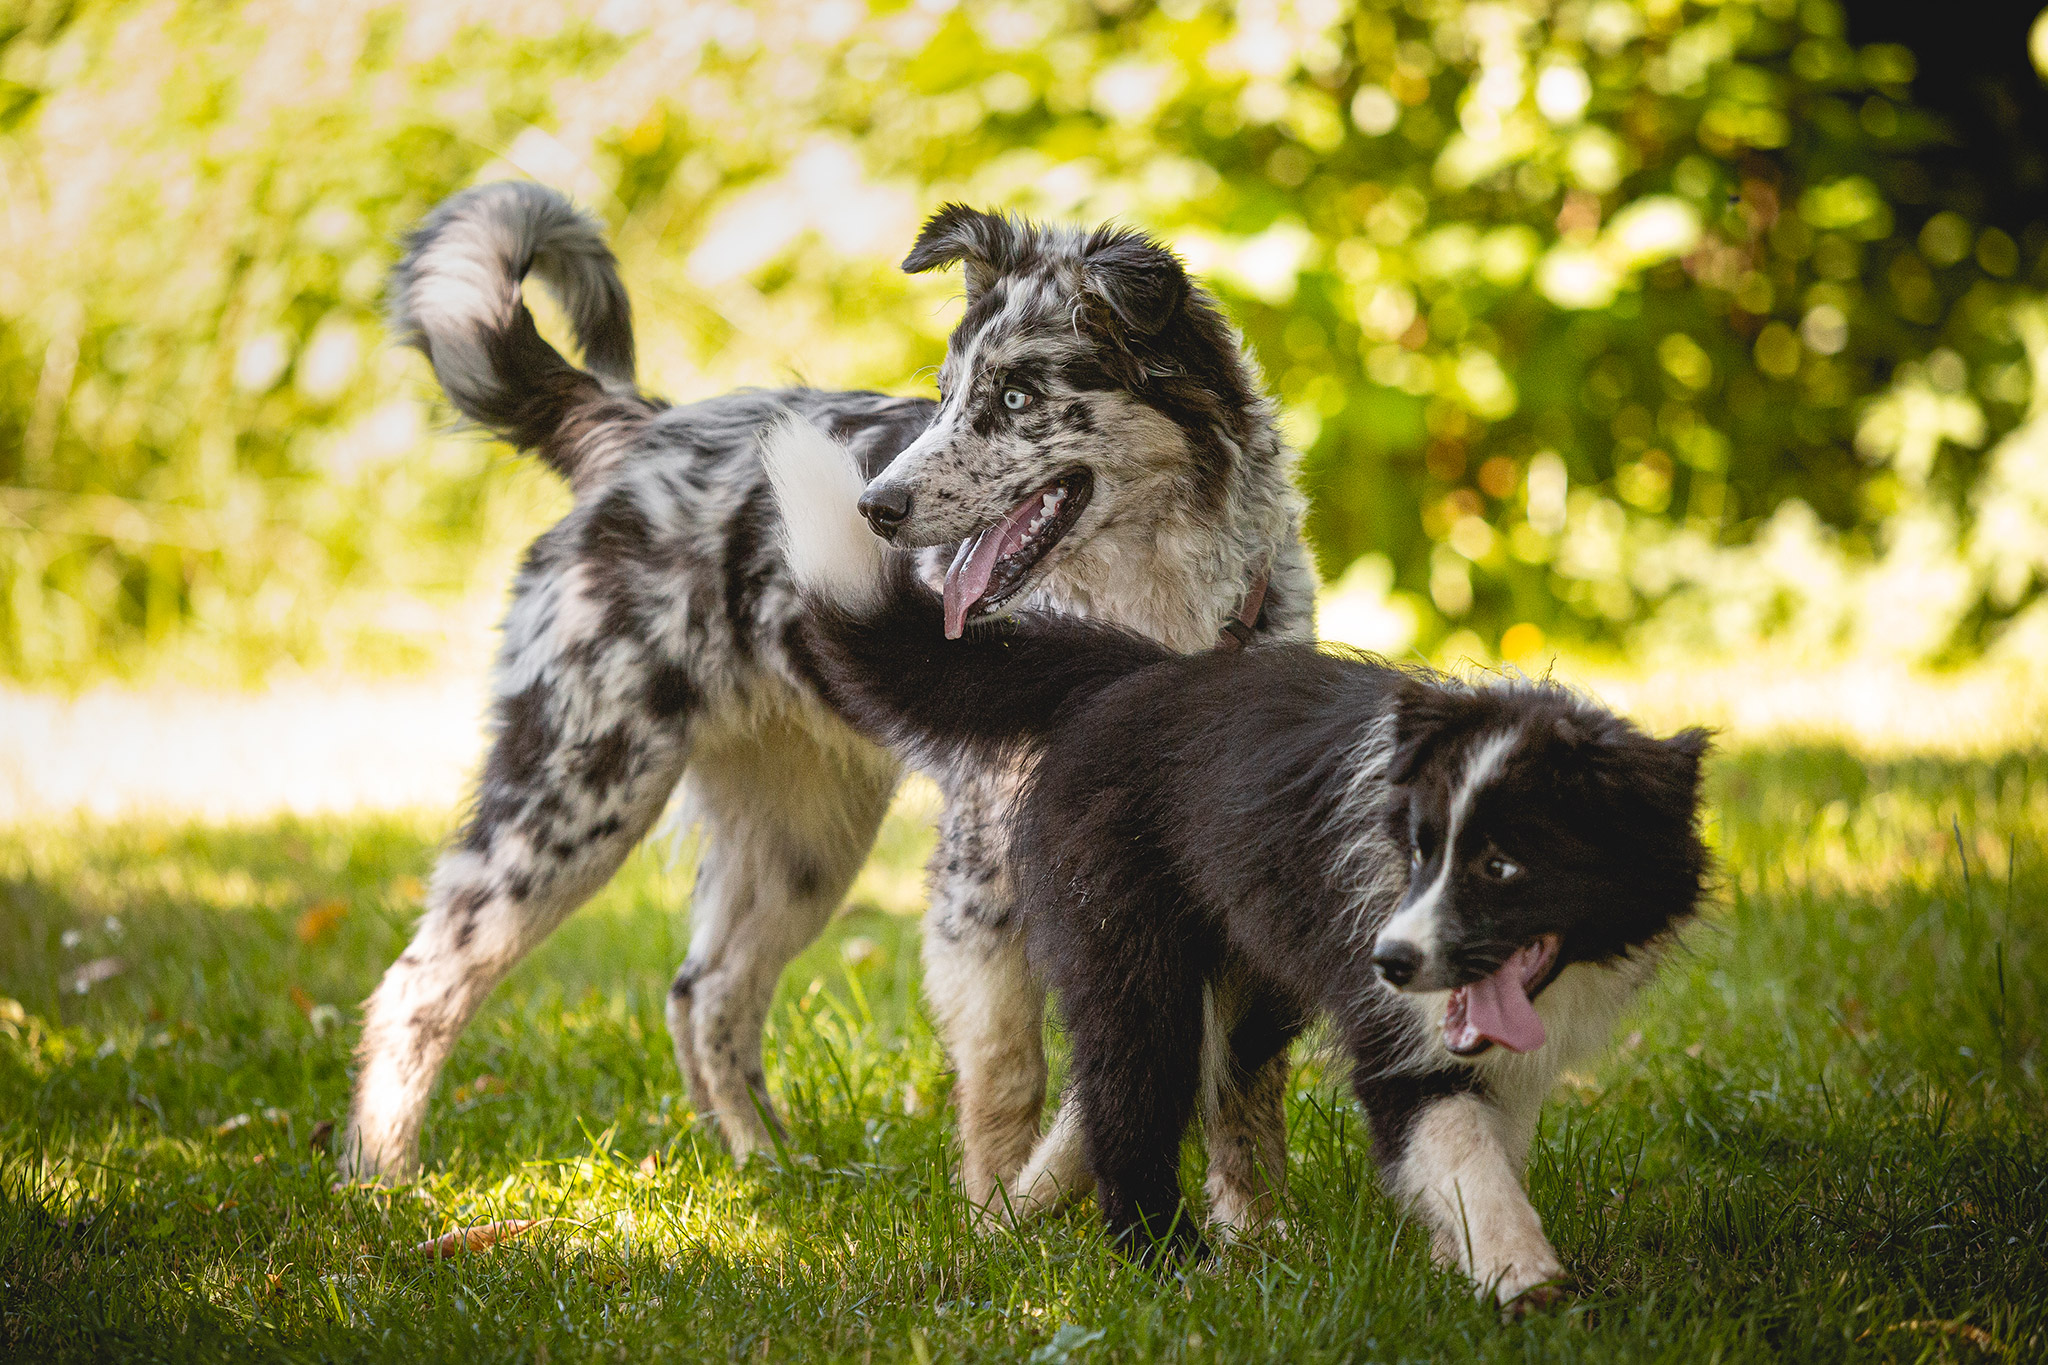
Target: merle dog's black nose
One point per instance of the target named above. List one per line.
(1397, 962)
(885, 508)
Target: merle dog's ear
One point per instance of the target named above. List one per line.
(987, 244)
(1142, 282)
(1424, 717)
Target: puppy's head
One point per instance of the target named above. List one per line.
(1541, 831)
(1074, 393)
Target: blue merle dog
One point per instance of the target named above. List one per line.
(1101, 446)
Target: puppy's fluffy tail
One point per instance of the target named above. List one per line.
(455, 296)
(876, 636)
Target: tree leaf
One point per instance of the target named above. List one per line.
(478, 1237)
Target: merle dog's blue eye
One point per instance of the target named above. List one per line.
(1016, 400)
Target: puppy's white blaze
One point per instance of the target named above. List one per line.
(1420, 922)
(907, 466)
(1481, 767)
(830, 551)
(1417, 923)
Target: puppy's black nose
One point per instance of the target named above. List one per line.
(1397, 962)
(886, 509)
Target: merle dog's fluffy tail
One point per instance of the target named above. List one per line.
(876, 635)
(456, 297)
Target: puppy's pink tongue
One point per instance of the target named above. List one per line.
(968, 577)
(1498, 1007)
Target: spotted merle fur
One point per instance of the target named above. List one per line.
(652, 645)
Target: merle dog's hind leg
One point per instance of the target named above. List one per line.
(988, 1003)
(787, 816)
(1245, 1061)
(584, 759)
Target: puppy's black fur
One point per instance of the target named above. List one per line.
(1262, 816)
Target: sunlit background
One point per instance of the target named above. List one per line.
(1695, 351)
(1672, 336)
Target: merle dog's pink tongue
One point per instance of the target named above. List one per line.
(975, 562)
(967, 580)
(1498, 1007)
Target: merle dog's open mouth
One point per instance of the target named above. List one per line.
(995, 565)
(1499, 1007)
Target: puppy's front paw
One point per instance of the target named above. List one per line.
(1536, 1298)
(1529, 1285)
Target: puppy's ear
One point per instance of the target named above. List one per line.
(1683, 754)
(1142, 283)
(986, 243)
(1425, 716)
(1654, 776)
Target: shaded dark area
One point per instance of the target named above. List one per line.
(1975, 72)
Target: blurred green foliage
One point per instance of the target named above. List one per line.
(1606, 320)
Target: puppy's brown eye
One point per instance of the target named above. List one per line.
(1500, 869)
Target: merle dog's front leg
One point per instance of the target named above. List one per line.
(988, 1004)
(1132, 997)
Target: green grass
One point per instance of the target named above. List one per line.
(1820, 1137)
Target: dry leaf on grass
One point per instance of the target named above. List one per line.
(478, 1237)
(1975, 1335)
(321, 918)
(322, 1139)
(651, 1163)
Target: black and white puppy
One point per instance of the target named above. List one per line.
(1468, 881)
